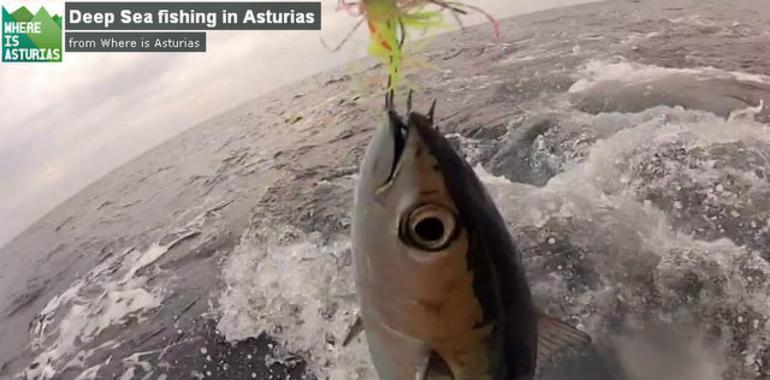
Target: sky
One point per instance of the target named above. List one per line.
(65, 125)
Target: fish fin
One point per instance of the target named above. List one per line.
(389, 101)
(409, 102)
(555, 337)
(435, 368)
(432, 112)
(353, 331)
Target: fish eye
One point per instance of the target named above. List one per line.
(429, 227)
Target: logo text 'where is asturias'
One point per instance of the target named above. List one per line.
(31, 37)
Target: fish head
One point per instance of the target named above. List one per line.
(406, 223)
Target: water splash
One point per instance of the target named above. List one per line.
(627, 73)
(115, 293)
(301, 292)
(661, 220)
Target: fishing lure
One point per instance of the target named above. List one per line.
(389, 21)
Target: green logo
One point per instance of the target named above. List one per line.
(31, 38)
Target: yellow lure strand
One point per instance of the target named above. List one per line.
(387, 21)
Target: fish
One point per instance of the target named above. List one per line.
(441, 286)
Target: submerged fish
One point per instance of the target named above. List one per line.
(441, 286)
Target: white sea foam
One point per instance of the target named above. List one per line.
(132, 362)
(115, 293)
(604, 195)
(301, 293)
(624, 72)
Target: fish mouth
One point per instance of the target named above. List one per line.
(400, 132)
